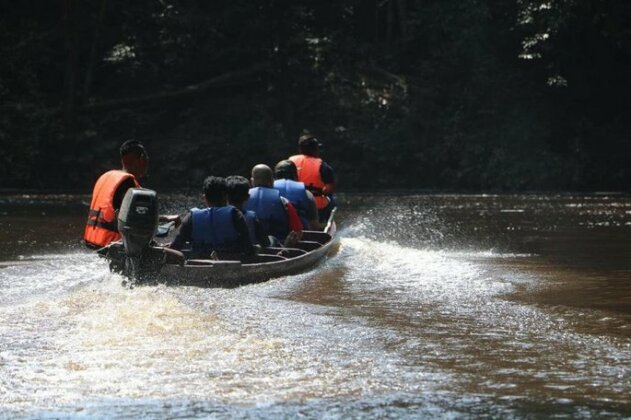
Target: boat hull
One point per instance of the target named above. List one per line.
(228, 274)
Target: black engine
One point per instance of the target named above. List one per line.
(138, 220)
(136, 258)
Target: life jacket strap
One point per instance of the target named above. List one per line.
(315, 190)
(93, 220)
(111, 226)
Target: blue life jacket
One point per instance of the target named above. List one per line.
(296, 193)
(270, 210)
(250, 220)
(213, 230)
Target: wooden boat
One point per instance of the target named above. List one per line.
(270, 263)
(158, 265)
(138, 258)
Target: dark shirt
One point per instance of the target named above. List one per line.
(185, 234)
(326, 173)
(311, 212)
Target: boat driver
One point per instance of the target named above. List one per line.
(102, 227)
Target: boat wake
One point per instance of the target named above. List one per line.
(383, 321)
(49, 276)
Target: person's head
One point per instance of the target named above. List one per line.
(215, 191)
(134, 158)
(262, 176)
(286, 169)
(309, 145)
(238, 190)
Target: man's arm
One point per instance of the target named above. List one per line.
(120, 192)
(119, 195)
(312, 212)
(328, 177)
(185, 234)
(261, 235)
(168, 218)
(243, 242)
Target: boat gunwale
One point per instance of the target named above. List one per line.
(233, 263)
(232, 273)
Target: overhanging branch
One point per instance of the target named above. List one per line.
(190, 90)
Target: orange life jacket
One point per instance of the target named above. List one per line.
(102, 226)
(309, 173)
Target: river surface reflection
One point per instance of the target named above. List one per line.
(435, 305)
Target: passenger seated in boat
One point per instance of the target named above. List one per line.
(218, 228)
(237, 189)
(277, 215)
(286, 175)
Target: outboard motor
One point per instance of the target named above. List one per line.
(137, 223)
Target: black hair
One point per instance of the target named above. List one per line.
(286, 169)
(237, 188)
(215, 189)
(132, 147)
(308, 143)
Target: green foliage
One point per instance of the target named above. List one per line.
(451, 94)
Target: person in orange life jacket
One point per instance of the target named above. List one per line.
(237, 189)
(278, 216)
(316, 174)
(102, 227)
(285, 175)
(218, 227)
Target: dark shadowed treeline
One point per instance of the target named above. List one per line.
(450, 94)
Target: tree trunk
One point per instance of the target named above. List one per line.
(72, 61)
(390, 22)
(159, 98)
(282, 73)
(87, 85)
(376, 23)
(403, 18)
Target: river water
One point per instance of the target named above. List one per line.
(433, 306)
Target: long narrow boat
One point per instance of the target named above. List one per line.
(136, 258)
(157, 266)
(271, 263)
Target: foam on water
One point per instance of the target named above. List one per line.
(382, 327)
(454, 318)
(50, 276)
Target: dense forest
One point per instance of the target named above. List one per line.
(441, 94)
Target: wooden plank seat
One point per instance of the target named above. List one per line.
(262, 258)
(308, 245)
(200, 261)
(284, 252)
(315, 236)
(253, 259)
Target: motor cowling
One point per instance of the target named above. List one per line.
(138, 220)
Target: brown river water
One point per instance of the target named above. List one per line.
(434, 306)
